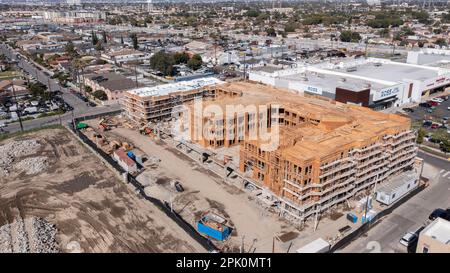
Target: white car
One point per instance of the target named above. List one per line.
(408, 239)
(439, 100)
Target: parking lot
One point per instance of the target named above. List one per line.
(432, 118)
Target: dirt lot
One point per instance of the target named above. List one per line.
(92, 210)
(204, 192)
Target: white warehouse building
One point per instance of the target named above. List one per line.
(371, 82)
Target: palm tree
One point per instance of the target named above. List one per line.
(78, 64)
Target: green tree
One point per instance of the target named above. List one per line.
(100, 94)
(290, 28)
(105, 39)
(252, 13)
(88, 89)
(94, 38)
(163, 62)
(445, 145)
(134, 38)
(99, 46)
(195, 62)
(70, 49)
(420, 135)
(271, 32)
(440, 42)
(180, 58)
(349, 36)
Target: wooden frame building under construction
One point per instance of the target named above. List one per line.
(327, 152)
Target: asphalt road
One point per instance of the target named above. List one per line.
(410, 216)
(80, 107)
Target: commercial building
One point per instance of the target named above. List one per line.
(156, 103)
(370, 82)
(327, 151)
(70, 17)
(111, 83)
(435, 238)
(123, 56)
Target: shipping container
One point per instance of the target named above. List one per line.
(352, 218)
(397, 188)
(212, 228)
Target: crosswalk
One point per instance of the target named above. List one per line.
(445, 174)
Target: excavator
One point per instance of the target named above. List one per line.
(105, 124)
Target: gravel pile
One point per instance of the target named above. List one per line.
(5, 239)
(14, 149)
(20, 240)
(33, 165)
(34, 235)
(44, 236)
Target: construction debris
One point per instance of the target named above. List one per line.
(33, 165)
(32, 235)
(14, 149)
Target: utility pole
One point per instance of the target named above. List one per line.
(17, 105)
(245, 67)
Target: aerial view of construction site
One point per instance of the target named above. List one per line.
(127, 128)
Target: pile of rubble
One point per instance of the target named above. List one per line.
(14, 149)
(44, 236)
(33, 165)
(5, 239)
(32, 235)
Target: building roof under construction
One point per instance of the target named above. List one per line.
(340, 127)
(166, 89)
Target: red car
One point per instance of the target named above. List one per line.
(433, 103)
(434, 126)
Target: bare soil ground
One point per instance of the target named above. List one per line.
(90, 207)
(204, 192)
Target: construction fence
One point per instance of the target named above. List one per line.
(163, 206)
(369, 224)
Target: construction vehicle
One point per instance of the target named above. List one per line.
(145, 130)
(105, 124)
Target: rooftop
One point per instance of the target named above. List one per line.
(166, 89)
(397, 182)
(395, 72)
(439, 230)
(112, 81)
(340, 127)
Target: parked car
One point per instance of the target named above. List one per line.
(408, 239)
(433, 103)
(434, 126)
(437, 213)
(425, 104)
(427, 123)
(438, 100)
(409, 110)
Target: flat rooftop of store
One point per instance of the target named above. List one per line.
(394, 71)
